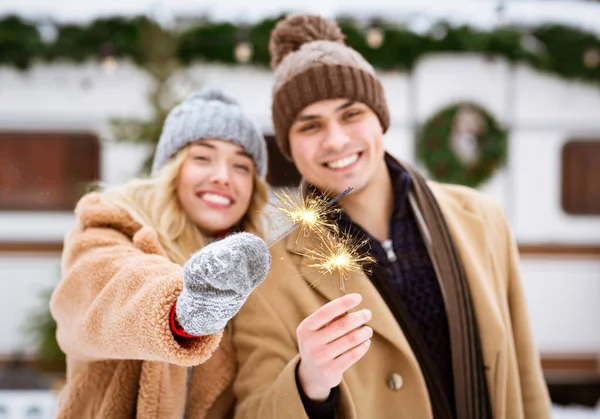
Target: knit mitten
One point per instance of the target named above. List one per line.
(218, 279)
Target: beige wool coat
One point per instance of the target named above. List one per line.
(387, 382)
(112, 309)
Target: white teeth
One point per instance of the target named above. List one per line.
(217, 199)
(341, 163)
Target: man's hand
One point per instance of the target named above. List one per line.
(330, 341)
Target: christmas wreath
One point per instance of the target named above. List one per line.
(462, 144)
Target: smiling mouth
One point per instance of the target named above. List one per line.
(215, 199)
(343, 162)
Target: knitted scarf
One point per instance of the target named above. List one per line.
(471, 396)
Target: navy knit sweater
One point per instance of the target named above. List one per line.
(406, 263)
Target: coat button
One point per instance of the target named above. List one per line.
(395, 381)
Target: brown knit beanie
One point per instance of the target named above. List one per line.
(312, 63)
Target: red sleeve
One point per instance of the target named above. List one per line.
(176, 327)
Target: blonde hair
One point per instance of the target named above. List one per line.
(153, 202)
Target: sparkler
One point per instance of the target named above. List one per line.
(336, 253)
(341, 255)
(310, 213)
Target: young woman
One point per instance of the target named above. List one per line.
(155, 269)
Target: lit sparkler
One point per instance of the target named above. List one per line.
(310, 214)
(341, 255)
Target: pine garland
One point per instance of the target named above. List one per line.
(564, 51)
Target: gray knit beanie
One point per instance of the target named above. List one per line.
(210, 113)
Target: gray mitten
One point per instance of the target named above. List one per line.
(218, 279)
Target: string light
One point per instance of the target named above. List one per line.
(374, 35)
(243, 49)
(591, 58)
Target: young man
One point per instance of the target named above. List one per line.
(448, 332)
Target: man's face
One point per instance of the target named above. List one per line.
(337, 143)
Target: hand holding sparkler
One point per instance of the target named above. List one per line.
(330, 341)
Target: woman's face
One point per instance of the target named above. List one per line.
(215, 184)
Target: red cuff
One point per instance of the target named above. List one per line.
(176, 327)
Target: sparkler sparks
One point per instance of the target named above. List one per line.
(309, 214)
(341, 255)
(335, 253)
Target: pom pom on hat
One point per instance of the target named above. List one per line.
(291, 33)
